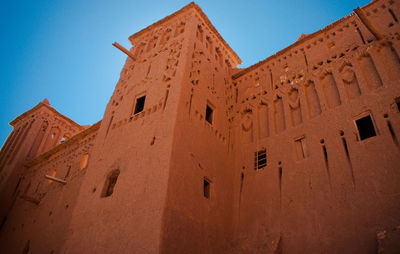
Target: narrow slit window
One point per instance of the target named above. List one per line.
(206, 188)
(260, 159)
(366, 128)
(110, 183)
(139, 105)
(397, 100)
(301, 148)
(209, 114)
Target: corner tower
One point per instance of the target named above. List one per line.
(34, 132)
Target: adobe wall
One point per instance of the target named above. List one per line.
(323, 189)
(39, 219)
(137, 146)
(193, 222)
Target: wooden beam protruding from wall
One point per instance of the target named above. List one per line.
(120, 47)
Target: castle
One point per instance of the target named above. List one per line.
(298, 153)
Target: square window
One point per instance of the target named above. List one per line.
(301, 147)
(260, 160)
(209, 114)
(206, 188)
(366, 128)
(139, 105)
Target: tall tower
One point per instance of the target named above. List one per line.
(129, 190)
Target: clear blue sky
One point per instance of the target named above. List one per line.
(61, 49)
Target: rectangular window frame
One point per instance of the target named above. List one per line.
(137, 97)
(259, 157)
(212, 107)
(360, 116)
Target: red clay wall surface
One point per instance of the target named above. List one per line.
(334, 192)
(296, 154)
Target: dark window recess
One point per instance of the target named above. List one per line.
(139, 106)
(398, 103)
(260, 159)
(3, 222)
(365, 127)
(110, 183)
(26, 248)
(209, 114)
(206, 188)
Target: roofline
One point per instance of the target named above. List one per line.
(298, 42)
(194, 6)
(39, 105)
(64, 145)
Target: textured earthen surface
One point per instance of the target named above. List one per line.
(298, 153)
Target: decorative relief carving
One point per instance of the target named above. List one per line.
(350, 81)
(389, 59)
(330, 89)
(312, 99)
(172, 61)
(369, 71)
(279, 114)
(294, 106)
(263, 120)
(246, 124)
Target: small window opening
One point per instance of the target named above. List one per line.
(398, 103)
(65, 137)
(139, 106)
(260, 159)
(110, 183)
(365, 127)
(209, 114)
(3, 222)
(84, 161)
(301, 148)
(206, 188)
